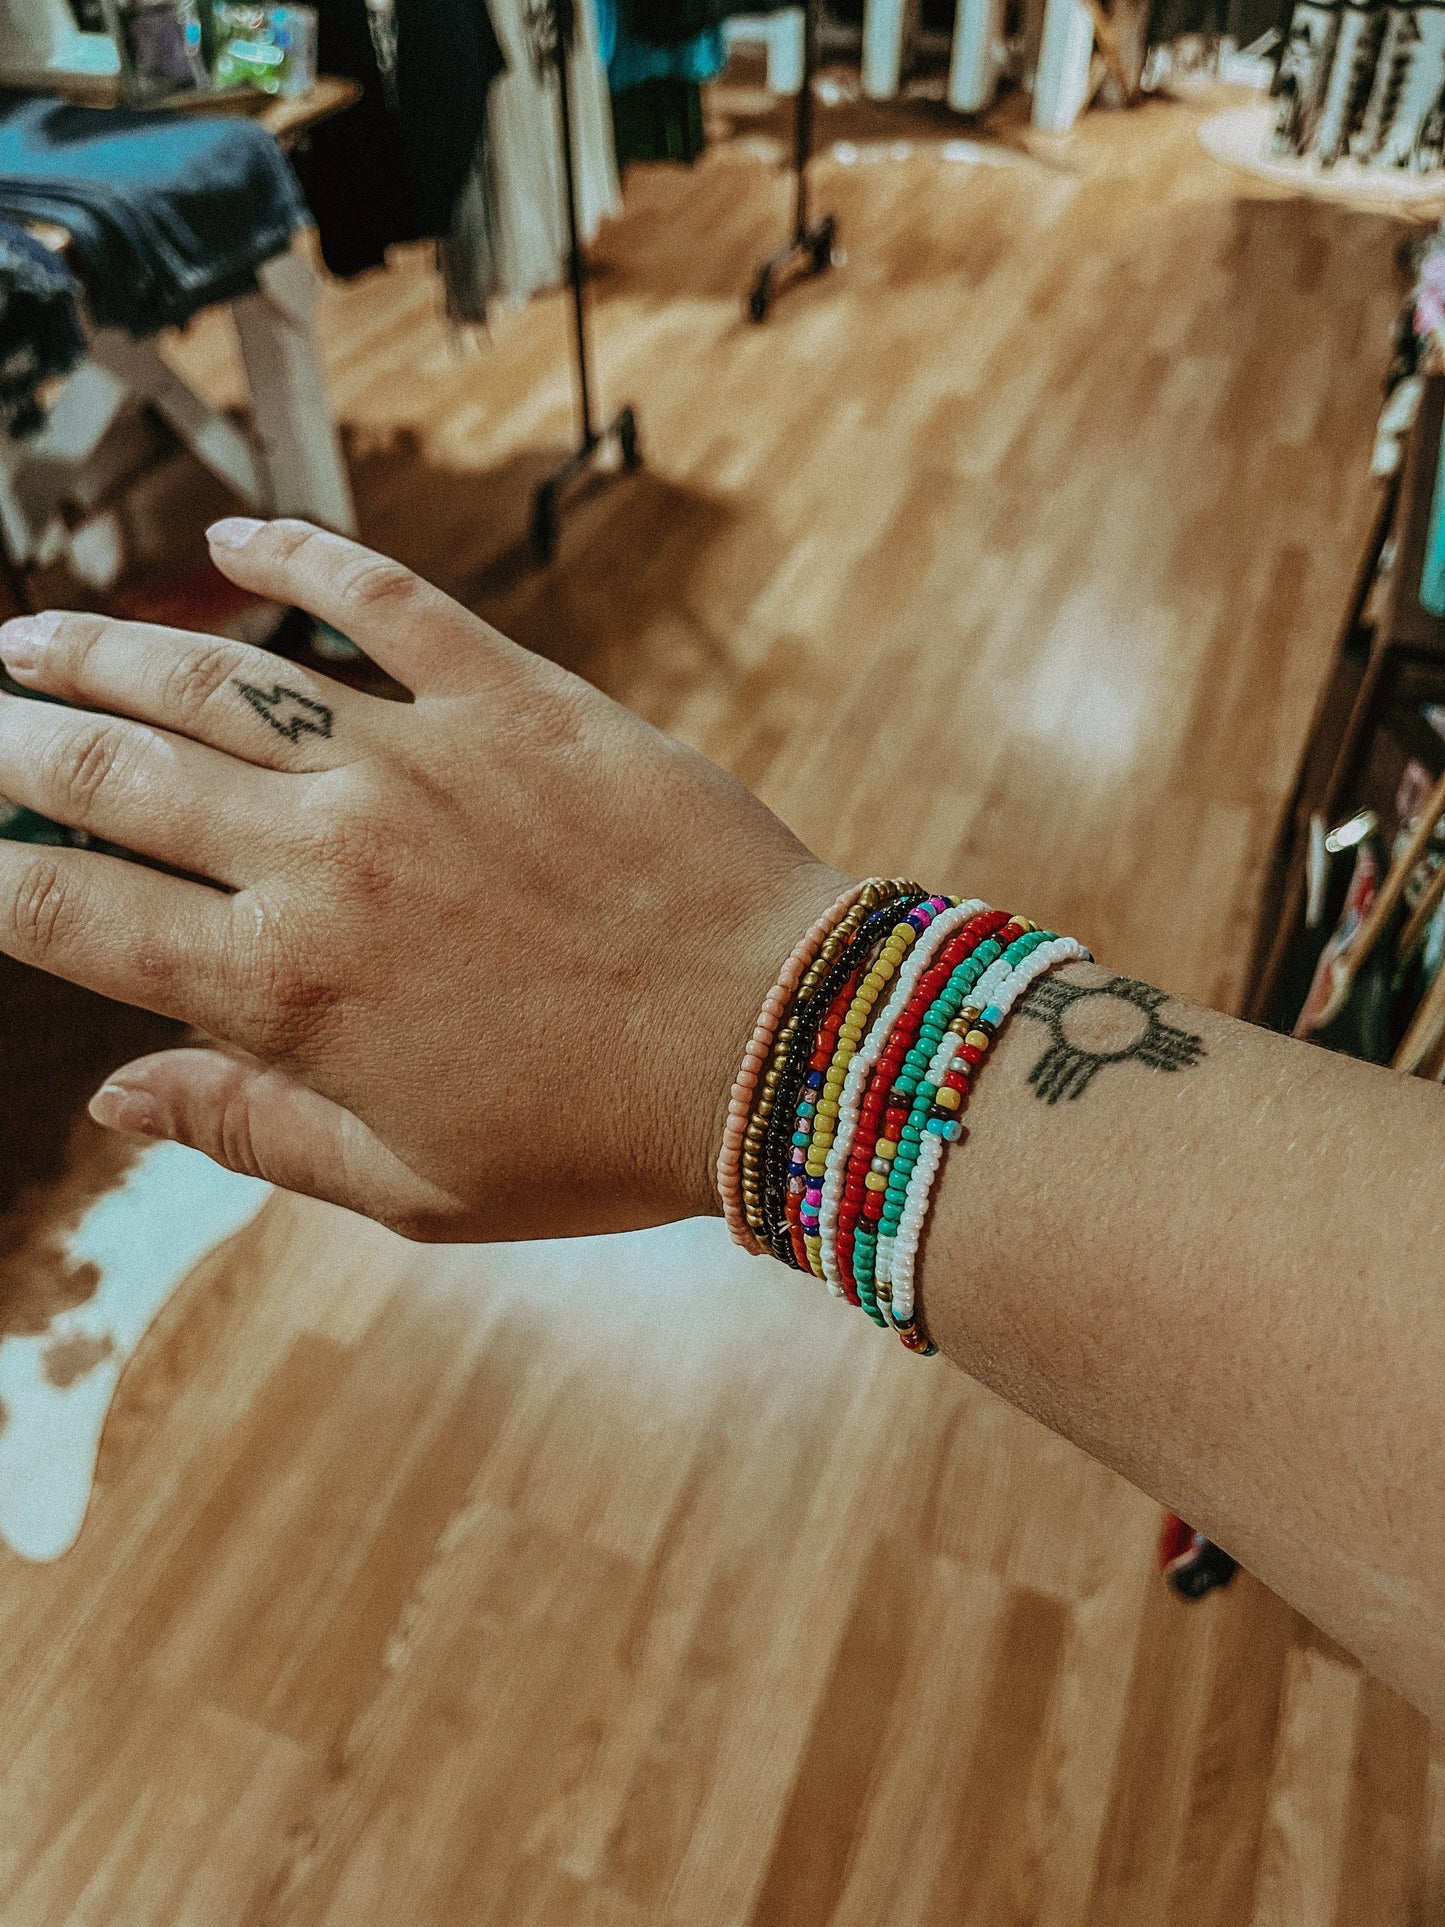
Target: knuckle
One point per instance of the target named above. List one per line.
(196, 677)
(374, 581)
(237, 1137)
(358, 578)
(288, 998)
(287, 539)
(357, 853)
(41, 909)
(89, 763)
(74, 643)
(158, 969)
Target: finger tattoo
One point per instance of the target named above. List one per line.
(287, 711)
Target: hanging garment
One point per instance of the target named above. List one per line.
(1364, 1010)
(1403, 122)
(656, 83)
(693, 61)
(1347, 93)
(1242, 21)
(394, 166)
(167, 213)
(510, 236)
(1304, 77)
(658, 120)
(1393, 60)
(1407, 128)
(1332, 982)
(40, 333)
(671, 23)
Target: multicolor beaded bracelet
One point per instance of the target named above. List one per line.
(897, 913)
(881, 1207)
(855, 1078)
(794, 992)
(826, 1043)
(883, 1113)
(740, 1103)
(941, 1126)
(868, 1055)
(914, 920)
(960, 1028)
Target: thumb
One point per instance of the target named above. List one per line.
(264, 1124)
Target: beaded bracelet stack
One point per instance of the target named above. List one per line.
(853, 1082)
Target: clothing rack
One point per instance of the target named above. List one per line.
(810, 250)
(551, 28)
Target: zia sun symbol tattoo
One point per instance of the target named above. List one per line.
(1086, 1034)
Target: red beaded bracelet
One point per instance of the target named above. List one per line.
(882, 1114)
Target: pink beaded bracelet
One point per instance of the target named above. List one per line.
(755, 1056)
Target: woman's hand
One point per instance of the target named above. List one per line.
(485, 961)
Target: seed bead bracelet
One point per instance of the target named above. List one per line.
(1019, 940)
(883, 1112)
(830, 1192)
(850, 1037)
(873, 895)
(740, 1102)
(920, 920)
(941, 1127)
(780, 1048)
(808, 1109)
(855, 1078)
(791, 995)
(880, 1114)
(881, 1206)
(940, 1084)
(945, 1085)
(896, 915)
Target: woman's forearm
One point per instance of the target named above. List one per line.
(1211, 1256)
(486, 962)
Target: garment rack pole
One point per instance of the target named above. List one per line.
(554, 26)
(574, 245)
(810, 250)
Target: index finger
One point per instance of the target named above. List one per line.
(428, 642)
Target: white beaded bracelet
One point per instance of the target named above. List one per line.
(860, 1069)
(894, 1269)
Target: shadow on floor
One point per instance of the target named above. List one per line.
(467, 531)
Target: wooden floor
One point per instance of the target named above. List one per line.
(629, 1582)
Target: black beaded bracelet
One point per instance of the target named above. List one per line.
(777, 1143)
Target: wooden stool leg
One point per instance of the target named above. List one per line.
(883, 28)
(300, 450)
(1062, 84)
(209, 436)
(973, 66)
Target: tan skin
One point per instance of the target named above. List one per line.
(419, 929)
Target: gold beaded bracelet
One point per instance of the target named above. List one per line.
(875, 891)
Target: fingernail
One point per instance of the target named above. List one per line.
(232, 531)
(23, 640)
(119, 1108)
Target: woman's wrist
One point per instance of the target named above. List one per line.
(742, 964)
